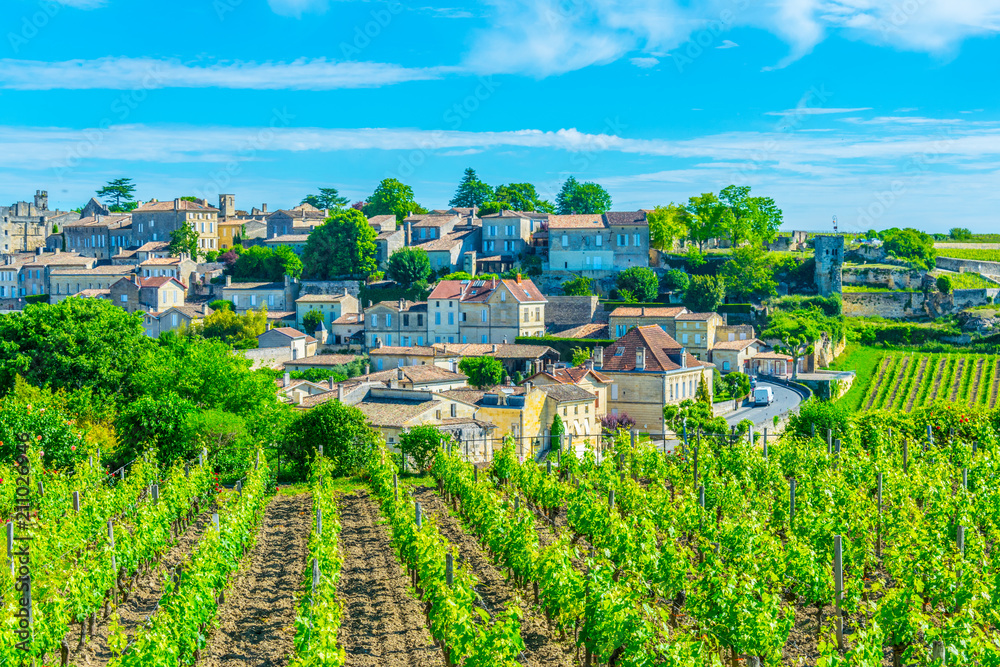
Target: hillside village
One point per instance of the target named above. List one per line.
(592, 317)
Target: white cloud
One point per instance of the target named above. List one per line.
(148, 73)
(645, 63)
(727, 44)
(814, 111)
(297, 8)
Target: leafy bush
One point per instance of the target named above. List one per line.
(579, 286)
(420, 443)
(640, 281)
(342, 430)
(612, 423)
(482, 371)
(705, 293)
(944, 284)
(675, 280)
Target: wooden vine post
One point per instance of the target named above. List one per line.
(838, 575)
(878, 527)
(791, 502)
(76, 502)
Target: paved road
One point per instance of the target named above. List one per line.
(785, 400)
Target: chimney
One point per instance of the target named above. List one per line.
(38, 250)
(507, 381)
(263, 207)
(684, 357)
(229, 281)
(399, 374)
(340, 393)
(402, 304)
(550, 368)
(527, 388)
(518, 278)
(378, 343)
(640, 359)
(177, 204)
(368, 369)
(287, 379)
(407, 233)
(642, 311)
(333, 382)
(494, 348)
(454, 367)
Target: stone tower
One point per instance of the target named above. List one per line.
(227, 206)
(829, 264)
(41, 200)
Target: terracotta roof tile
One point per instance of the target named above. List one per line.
(576, 221)
(642, 311)
(662, 351)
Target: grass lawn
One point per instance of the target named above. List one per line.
(864, 361)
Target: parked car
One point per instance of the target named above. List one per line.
(763, 396)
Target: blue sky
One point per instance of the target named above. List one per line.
(881, 112)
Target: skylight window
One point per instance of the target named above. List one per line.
(619, 351)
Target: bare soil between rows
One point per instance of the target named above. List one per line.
(382, 624)
(495, 589)
(257, 619)
(141, 604)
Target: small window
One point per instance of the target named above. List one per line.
(454, 410)
(619, 351)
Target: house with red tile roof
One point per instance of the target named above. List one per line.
(485, 311)
(649, 369)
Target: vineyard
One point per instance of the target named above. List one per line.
(905, 381)
(872, 544)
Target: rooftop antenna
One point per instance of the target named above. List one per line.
(834, 224)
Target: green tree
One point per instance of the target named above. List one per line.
(960, 233)
(798, 332)
(327, 198)
(471, 192)
(119, 194)
(586, 198)
(738, 383)
(162, 421)
(754, 219)
(580, 355)
(705, 293)
(342, 246)
(482, 371)
(421, 443)
(701, 394)
(312, 319)
(521, 197)
(641, 282)
(694, 415)
(675, 280)
(74, 344)
(240, 331)
(260, 263)
(910, 245)
(556, 430)
(342, 430)
(666, 225)
(409, 266)
(944, 284)
(748, 274)
(219, 304)
(707, 219)
(458, 275)
(392, 196)
(579, 286)
(184, 239)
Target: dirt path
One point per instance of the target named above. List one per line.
(383, 624)
(494, 588)
(145, 597)
(899, 380)
(877, 386)
(996, 386)
(917, 384)
(257, 620)
(957, 380)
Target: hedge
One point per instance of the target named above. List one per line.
(611, 305)
(563, 345)
(735, 308)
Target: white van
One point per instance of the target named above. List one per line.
(763, 396)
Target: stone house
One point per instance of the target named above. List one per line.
(508, 233)
(301, 345)
(26, 226)
(585, 377)
(297, 242)
(147, 251)
(580, 243)
(124, 293)
(735, 355)
(158, 294)
(402, 323)
(276, 297)
(155, 220)
(449, 251)
(623, 318)
(180, 268)
(516, 358)
(101, 237)
(383, 223)
(32, 272)
(330, 362)
(630, 231)
(697, 332)
(301, 219)
(387, 242)
(65, 282)
(394, 410)
(485, 311)
(174, 318)
(331, 306)
(648, 369)
(425, 378)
